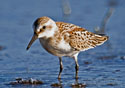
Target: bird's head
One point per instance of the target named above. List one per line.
(43, 27)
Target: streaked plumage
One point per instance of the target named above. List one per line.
(64, 39)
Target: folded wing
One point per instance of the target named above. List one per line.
(82, 40)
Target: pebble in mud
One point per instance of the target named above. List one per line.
(30, 81)
(123, 57)
(111, 84)
(87, 62)
(1, 48)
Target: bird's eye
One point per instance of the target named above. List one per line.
(44, 27)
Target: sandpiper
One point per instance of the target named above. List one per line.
(64, 39)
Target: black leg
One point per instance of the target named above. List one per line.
(77, 70)
(77, 65)
(61, 67)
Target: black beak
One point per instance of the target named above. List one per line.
(31, 41)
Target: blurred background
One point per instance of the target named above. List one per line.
(102, 67)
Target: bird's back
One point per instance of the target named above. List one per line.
(79, 38)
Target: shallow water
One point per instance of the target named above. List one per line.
(102, 67)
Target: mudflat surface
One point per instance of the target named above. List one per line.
(101, 67)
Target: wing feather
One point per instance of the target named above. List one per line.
(79, 38)
(82, 40)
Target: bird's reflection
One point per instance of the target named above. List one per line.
(76, 84)
(57, 85)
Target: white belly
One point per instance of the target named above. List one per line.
(61, 49)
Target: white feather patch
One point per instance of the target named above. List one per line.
(49, 32)
(63, 45)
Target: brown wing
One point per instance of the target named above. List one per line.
(82, 40)
(64, 27)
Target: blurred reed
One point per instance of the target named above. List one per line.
(66, 9)
(102, 28)
(111, 8)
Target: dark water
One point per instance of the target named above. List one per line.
(102, 67)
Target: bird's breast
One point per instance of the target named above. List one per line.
(60, 48)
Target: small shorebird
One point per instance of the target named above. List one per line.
(64, 39)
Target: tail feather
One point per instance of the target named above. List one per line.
(101, 39)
